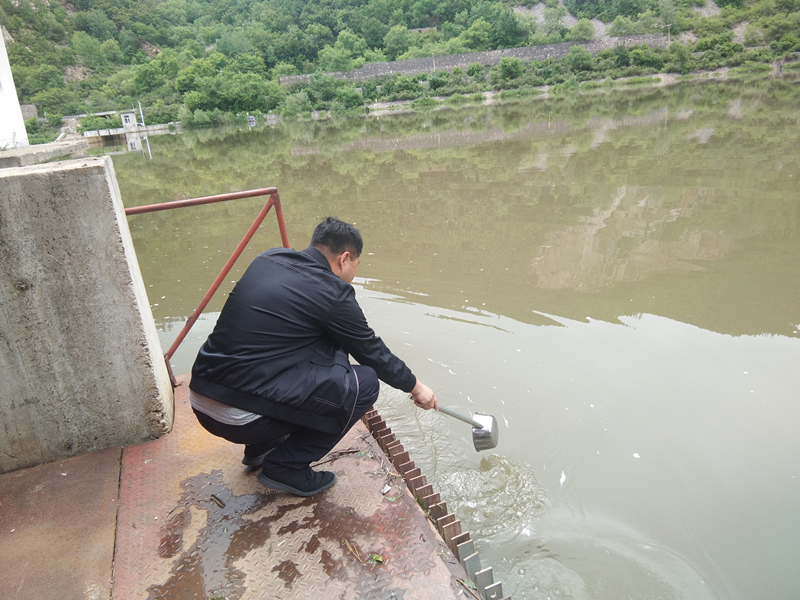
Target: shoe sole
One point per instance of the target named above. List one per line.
(282, 487)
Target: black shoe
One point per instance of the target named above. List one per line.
(303, 482)
(255, 461)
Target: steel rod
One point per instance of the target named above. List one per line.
(460, 417)
(221, 277)
(138, 210)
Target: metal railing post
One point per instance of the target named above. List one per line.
(274, 200)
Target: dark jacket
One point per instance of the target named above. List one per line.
(280, 345)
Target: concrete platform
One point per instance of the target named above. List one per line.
(39, 153)
(180, 518)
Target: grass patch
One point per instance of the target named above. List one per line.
(751, 68)
(459, 99)
(638, 81)
(593, 85)
(519, 93)
(795, 66)
(425, 103)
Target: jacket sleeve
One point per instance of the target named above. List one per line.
(347, 324)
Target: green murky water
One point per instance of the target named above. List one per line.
(614, 277)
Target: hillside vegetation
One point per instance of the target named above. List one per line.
(203, 62)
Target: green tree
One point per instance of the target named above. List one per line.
(510, 68)
(668, 13)
(40, 79)
(282, 69)
(47, 24)
(628, 8)
(478, 36)
(317, 37)
(89, 49)
(334, 59)
(397, 41)
(578, 59)
(296, 104)
(275, 93)
(475, 70)
(111, 51)
(241, 92)
(129, 44)
(194, 100)
(351, 42)
(582, 31)
(506, 31)
(552, 21)
(374, 31)
(95, 23)
(234, 42)
(148, 77)
(644, 56)
(60, 100)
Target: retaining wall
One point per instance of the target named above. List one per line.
(489, 58)
(81, 367)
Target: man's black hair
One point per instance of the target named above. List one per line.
(336, 237)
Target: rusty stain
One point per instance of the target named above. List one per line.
(288, 572)
(172, 533)
(208, 566)
(312, 545)
(187, 545)
(333, 568)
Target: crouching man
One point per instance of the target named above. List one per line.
(275, 374)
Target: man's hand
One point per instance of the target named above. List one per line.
(424, 397)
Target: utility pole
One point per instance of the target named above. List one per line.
(669, 28)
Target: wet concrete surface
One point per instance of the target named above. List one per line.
(180, 517)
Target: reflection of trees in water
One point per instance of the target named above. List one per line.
(626, 242)
(458, 204)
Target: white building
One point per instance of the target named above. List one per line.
(12, 126)
(128, 119)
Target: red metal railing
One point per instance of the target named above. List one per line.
(274, 200)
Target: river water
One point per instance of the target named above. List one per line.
(613, 276)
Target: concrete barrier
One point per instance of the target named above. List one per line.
(81, 366)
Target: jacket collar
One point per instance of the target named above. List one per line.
(318, 256)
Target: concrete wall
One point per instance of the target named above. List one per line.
(81, 367)
(489, 58)
(12, 127)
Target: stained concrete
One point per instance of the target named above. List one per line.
(81, 367)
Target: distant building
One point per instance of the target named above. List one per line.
(12, 127)
(128, 119)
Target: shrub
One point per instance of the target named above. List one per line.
(426, 103)
(510, 68)
(475, 70)
(201, 118)
(92, 122)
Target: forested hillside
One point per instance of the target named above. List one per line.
(198, 60)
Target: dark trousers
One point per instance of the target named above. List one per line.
(301, 445)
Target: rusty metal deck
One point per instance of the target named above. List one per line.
(181, 518)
